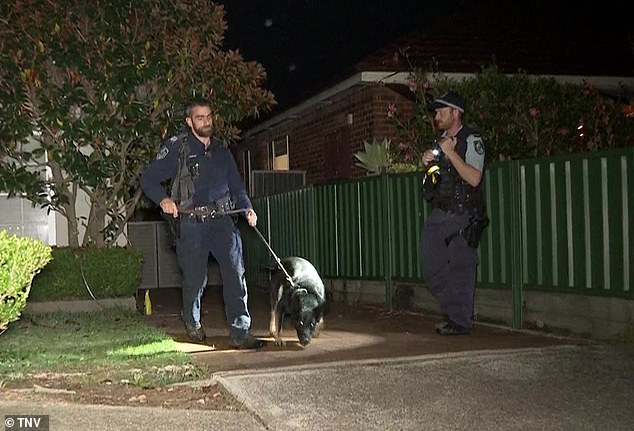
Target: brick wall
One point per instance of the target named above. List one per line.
(310, 134)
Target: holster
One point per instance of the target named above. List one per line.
(174, 227)
(473, 231)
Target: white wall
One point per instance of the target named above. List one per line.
(20, 218)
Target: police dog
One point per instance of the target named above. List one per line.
(303, 300)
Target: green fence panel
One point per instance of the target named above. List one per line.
(494, 270)
(577, 218)
(326, 259)
(256, 254)
(291, 224)
(560, 224)
(407, 209)
(348, 238)
(372, 228)
(620, 200)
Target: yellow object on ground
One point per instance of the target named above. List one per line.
(148, 303)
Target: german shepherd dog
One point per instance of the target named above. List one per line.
(303, 300)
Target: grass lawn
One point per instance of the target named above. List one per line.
(111, 344)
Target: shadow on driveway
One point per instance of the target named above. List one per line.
(349, 334)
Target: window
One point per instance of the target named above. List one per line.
(279, 154)
(19, 216)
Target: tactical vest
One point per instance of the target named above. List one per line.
(183, 184)
(453, 194)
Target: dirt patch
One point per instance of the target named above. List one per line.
(206, 397)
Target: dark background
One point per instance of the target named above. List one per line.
(308, 45)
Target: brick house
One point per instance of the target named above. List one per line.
(320, 135)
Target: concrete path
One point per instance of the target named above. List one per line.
(552, 388)
(557, 388)
(380, 370)
(79, 417)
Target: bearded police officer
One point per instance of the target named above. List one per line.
(453, 186)
(204, 176)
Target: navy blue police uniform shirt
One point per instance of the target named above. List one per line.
(217, 175)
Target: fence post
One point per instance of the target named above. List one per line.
(516, 223)
(388, 241)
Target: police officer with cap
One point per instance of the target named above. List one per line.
(449, 253)
(204, 175)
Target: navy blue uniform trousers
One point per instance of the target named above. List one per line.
(221, 238)
(449, 270)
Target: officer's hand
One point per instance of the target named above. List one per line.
(169, 207)
(428, 156)
(448, 144)
(252, 217)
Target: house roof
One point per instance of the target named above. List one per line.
(463, 44)
(536, 38)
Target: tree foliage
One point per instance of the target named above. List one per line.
(520, 116)
(89, 89)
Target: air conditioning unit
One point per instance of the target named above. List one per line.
(160, 264)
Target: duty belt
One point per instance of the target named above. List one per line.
(208, 212)
(458, 209)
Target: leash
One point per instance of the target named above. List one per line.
(277, 259)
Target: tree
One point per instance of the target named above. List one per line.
(89, 89)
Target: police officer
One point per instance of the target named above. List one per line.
(453, 186)
(204, 174)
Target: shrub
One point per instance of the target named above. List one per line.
(520, 116)
(107, 272)
(20, 259)
(375, 158)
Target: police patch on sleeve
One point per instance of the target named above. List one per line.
(475, 152)
(163, 153)
(477, 143)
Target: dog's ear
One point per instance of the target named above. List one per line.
(318, 312)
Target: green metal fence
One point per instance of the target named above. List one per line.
(559, 224)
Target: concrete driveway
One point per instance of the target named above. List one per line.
(554, 388)
(372, 369)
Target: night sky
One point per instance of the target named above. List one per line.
(309, 45)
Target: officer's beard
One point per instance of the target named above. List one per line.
(204, 132)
